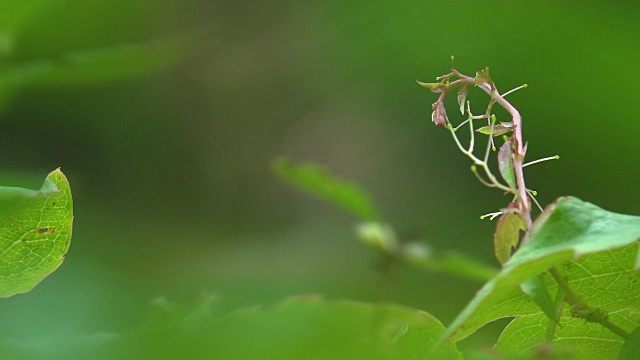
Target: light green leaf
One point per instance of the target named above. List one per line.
(631, 348)
(507, 235)
(312, 328)
(35, 232)
(570, 229)
(306, 328)
(318, 181)
(436, 87)
(605, 280)
(498, 129)
(379, 236)
(505, 164)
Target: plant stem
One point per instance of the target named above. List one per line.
(587, 312)
(518, 154)
(551, 327)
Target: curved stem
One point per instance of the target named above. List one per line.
(520, 149)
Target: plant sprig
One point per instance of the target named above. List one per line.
(512, 152)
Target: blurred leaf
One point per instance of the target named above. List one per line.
(569, 230)
(498, 129)
(35, 232)
(301, 328)
(631, 348)
(96, 65)
(507, 235)
(312, 328)
(318, 181)
(505, 164)
(454, 264)
(378, 236)
(16, 14)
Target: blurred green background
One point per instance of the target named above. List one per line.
(165, 116)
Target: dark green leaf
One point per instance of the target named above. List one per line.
(318, 181)
(97, 65)
(631, 348)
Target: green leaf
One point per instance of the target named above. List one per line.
(462, 96)
(317, 181)
(454, 264)
(436, 87)
(482, 76)
(537, 290)
(306, 328)
(507, 235)
(35, 232)
(312, 328)
(17, 14)
(505, 164)
(96, 65)
(498, 129)
(631, 347)
(568, 230)
(604, 279)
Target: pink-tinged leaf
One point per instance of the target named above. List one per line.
(482, 76)
(462, 96)
(439, 115)
(505, 164)
(507, 235)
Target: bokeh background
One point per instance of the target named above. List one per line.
(165, 116)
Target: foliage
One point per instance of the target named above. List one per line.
(35, 232)
(568, 278)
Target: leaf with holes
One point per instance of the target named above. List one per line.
(35, 232)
